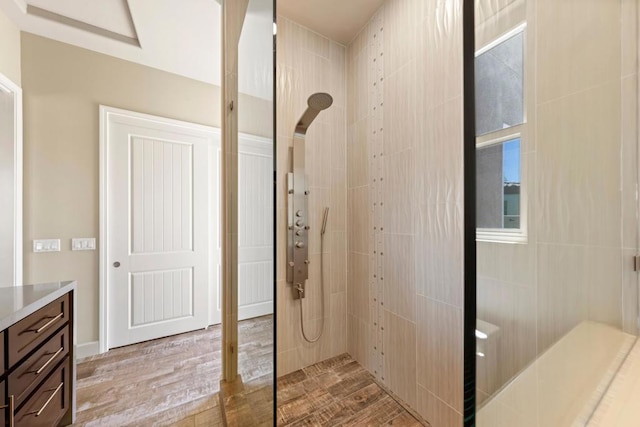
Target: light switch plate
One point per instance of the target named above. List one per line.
(46, 245)
(83, 244)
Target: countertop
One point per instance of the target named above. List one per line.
(17, 302)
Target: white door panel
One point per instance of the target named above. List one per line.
(255, 227)
(159, 219)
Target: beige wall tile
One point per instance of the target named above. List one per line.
(494, 18)
(288, 361)
(399, 275)
(604, 277)
(338, 137)
(629, 162)
(400, 109)
(318, 142)
(629, 37)
(436, 411)
(562, 291)
(337, 220)
(338, 262)
(439, 55)
(399, 192)
(440, 149)
(400, 21)
(337, 80)
(316, 44)
(439, 367)
(438, 250)
(358, 154)
(563, 69)
(358, 225)
(578, 168)
(338, 323)
(358, 286)
(400, 357)
(358, 340)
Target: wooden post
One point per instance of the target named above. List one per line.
(233, 13)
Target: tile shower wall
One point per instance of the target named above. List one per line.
(404, 216)
(580, 166)
(309, 63)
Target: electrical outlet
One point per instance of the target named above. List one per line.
(46, 245)
(83, 244)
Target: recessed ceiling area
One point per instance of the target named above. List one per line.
(339, 20)
(178, 36)
(112, 15)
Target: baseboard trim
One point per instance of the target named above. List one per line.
(255, 310)
(87, 349)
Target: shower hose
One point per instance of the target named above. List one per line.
(304, 334)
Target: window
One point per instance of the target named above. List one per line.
(498, 189)
(500, 121)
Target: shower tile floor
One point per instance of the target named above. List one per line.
(337, 392)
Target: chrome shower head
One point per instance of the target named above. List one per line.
(316, 103)
(320, 101)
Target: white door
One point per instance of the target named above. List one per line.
(255, 226)
(158, 211)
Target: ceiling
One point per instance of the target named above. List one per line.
(339, 20)
(179, 36)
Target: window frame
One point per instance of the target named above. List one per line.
(509, 235)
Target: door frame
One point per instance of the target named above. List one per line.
(7, 85)
(105, 115)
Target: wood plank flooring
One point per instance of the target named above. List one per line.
(171, 381)
(337, 392)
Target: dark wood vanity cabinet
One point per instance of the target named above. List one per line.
(37, 361)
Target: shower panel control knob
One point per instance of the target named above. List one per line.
(299, 223)
(299, 213)
(299, 245)
(298, 233)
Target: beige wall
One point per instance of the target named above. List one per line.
(9, 49)
(309, 63)
(63, 87)
(405, 203)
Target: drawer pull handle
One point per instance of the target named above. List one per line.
(55, 391)
(10, 406)
(46, 325)
(51, 359)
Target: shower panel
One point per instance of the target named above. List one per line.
(298, 196)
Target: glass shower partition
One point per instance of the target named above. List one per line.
(557, 211)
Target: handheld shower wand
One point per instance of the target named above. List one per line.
(324, 221)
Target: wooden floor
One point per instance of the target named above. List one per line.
(171, 381)
(337, 392)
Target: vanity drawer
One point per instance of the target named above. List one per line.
(48, 404)
(29, 373)
(25, 335)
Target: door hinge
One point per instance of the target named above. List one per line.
(636, 263)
